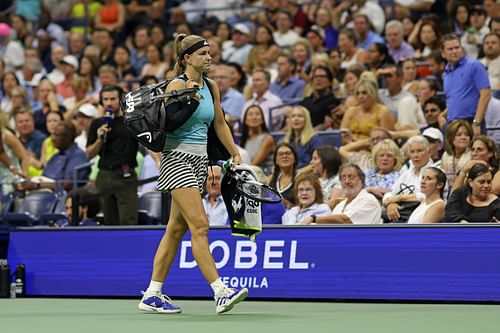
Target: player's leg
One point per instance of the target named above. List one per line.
(153, 299)
(188, 200)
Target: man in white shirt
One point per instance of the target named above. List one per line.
(263, 97)
(238, 48)
(11, 51)
(359, 207)
(491, 60)
(284, 36)
(213, 201)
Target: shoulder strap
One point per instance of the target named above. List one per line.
(209, 87)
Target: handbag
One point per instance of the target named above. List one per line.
(406, 207)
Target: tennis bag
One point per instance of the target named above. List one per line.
(244, 213)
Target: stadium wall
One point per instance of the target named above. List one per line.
(404, 263)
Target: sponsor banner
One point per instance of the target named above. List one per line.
(391, 263)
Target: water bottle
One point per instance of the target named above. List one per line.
(20, 280)
(13, 290)
(4, 278)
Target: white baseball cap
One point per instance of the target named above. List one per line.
(88, 110)
(433, 133)
(241, 27)
(35, 80)
(70, 60)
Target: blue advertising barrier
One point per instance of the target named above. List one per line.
(439, 263)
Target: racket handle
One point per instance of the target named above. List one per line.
(226, 165)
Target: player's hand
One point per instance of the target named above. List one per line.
(236, 159)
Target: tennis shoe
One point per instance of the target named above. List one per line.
(228, 299)
(157, 303)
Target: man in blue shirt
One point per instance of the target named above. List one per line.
(466, 84)
(31, 138)
(287, 86)
(366, 37)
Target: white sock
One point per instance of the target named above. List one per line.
(218, 286)
(155, 287)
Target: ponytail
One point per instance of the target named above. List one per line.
(180, 65)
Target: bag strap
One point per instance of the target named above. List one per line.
(403, 187)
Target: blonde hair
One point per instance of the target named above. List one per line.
(387, 146)
(369, 76)
(307, 132)
(371, 88)
(181, 43)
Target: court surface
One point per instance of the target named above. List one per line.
(94, 316)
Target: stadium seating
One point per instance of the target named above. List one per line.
(59, 212)
(31, 208)
(150, 208)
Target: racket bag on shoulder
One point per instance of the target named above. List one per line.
(245, 214)
(145, 113)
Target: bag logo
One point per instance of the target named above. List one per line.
(130, 102)
(148, 136)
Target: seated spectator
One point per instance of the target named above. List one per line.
(366, 36)
(88, 208)
(155, 65)
(325, 164)
(431, 209)
(425, 37)
(69, 66)
(20, 101)
(358, 207)
(238, 49)
(232, 100)
(359, 152)
(322, 101)
(141, 40)
(287, 86)
(405, 194)
(86, 113)
(13, 157)
(474, 202)
(300, 135)
(398, 48)
(378, 57)
(150, 168)
(427, 88)
(213, 201)
(387, 159)
(31, 138)
(284, 36)
(473, 37)
(54, 118)
(57, 53)
(81, 88)
(352, 54)
(402, 104)
(483, 150)
(436, 141)
(122, 61)
(302, 52)
(284, 172)
(60, 168)
(457, 153)
(111, 16)
(11, 51)
(255, 138)
(263, 97)
(410, 73)
(491, 59)
(369, 114)
(46, 102)
(9, 81)
(89, 71)
(309, 197)
(264, 43)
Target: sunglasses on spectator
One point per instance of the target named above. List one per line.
(284, 153)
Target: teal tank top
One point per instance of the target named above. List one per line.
(195, 129)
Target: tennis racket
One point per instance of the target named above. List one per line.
(250, 188)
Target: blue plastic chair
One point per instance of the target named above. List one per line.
(58, 214)
(6, 201)
(31, 208)
(332, 138)
(150, 208)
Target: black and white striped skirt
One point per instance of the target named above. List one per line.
(179, 169)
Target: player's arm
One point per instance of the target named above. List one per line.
(221, 127)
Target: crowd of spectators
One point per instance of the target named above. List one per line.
(411, 86)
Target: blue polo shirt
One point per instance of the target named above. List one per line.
(62, 164)
(461, 87)
(293, 89)
(232, 102)
(370, 39)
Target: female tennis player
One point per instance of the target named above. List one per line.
(183, 171)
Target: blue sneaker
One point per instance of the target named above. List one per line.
(157, 303)
(228, 299)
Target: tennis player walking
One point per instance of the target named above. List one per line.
(183, 171)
